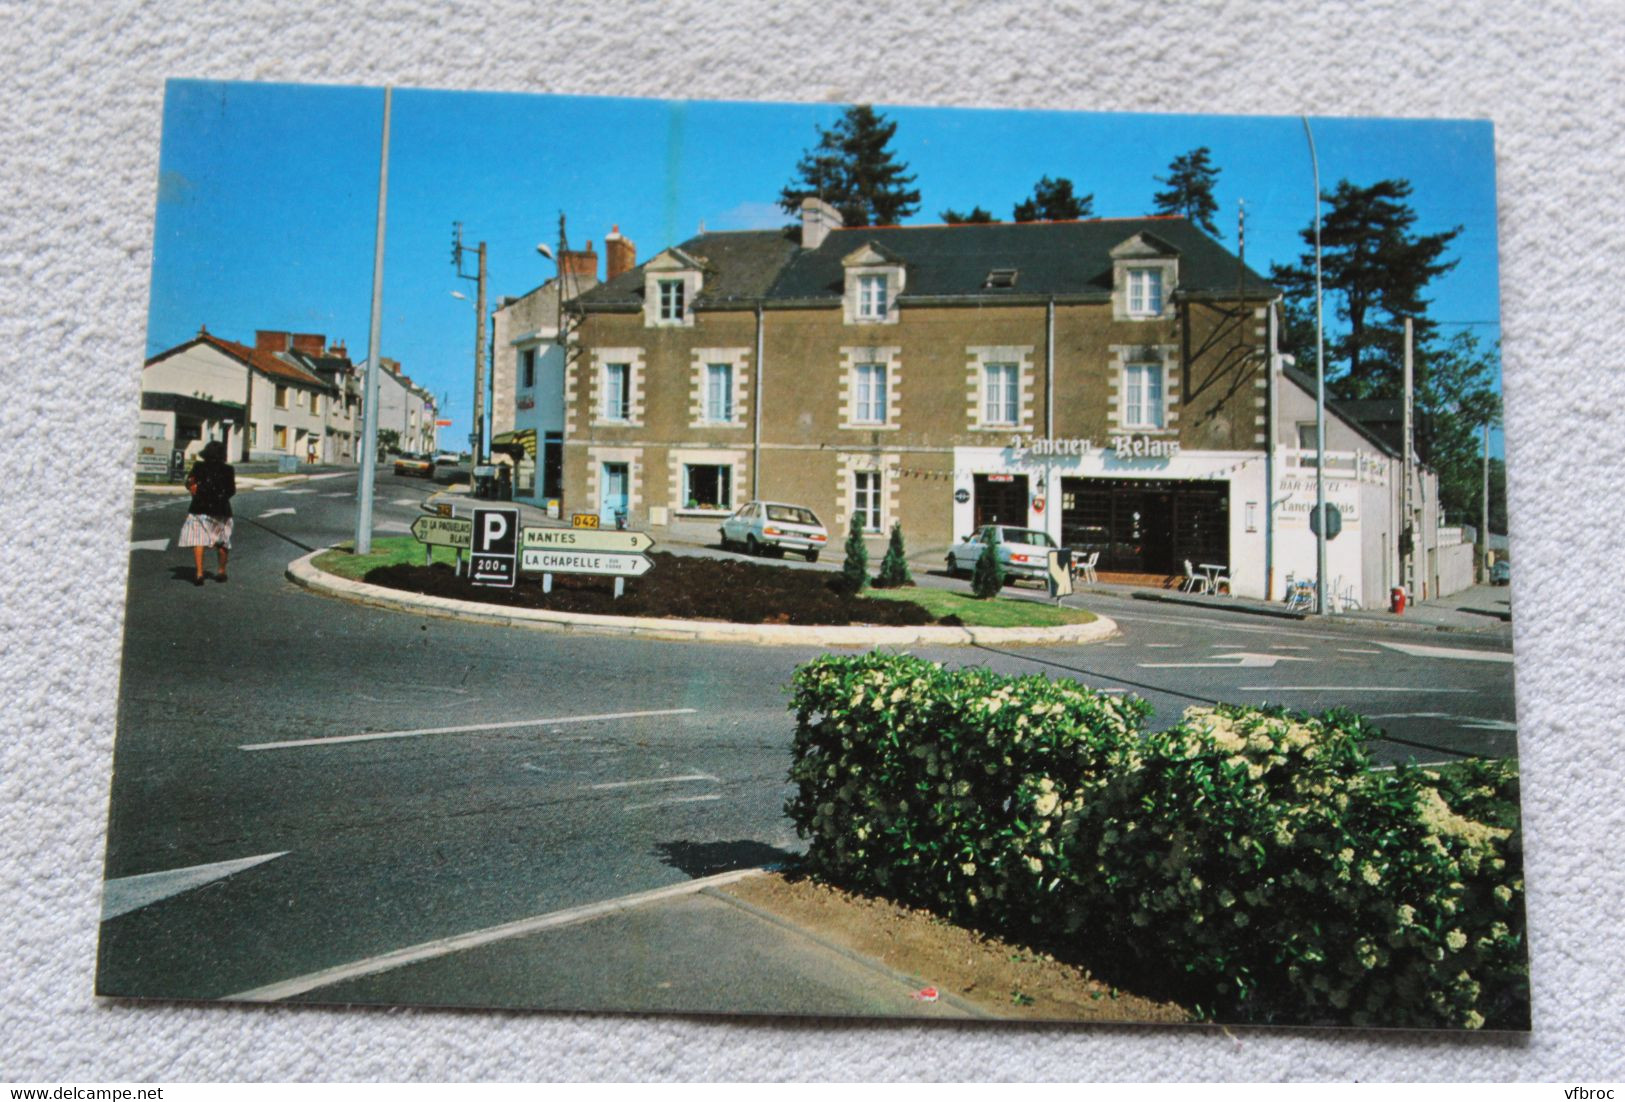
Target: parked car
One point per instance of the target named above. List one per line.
(448, 459)
(1501, 573)
(411, 463)
(1022, 552)
(771, 525)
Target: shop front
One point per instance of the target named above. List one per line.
(1146, 509)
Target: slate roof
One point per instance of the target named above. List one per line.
(1345, 412)
(1067, 260)
(740, 266)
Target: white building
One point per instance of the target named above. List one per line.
(406, 409)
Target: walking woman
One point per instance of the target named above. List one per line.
(213, 483)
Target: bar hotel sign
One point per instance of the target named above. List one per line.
(1122, 446)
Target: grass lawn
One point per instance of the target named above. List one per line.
(386, 551)
(998, 612)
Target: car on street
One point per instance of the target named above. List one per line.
(760, 526)
(1022, 552)
(411, 463)
(448, 459)
(1501, 573)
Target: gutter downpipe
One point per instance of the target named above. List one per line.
(1049, 369)
(756, 414)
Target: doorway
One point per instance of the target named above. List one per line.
(1001, 499)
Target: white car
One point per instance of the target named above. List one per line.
(1022, 552)
(762, 525)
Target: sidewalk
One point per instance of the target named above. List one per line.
(1480, 608)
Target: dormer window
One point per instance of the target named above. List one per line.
(874, 279)
(1144, 292)
(1000, 277)
(872, 297)
(671, 300)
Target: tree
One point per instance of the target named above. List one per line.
(988, 580)
(1375, 271)
(1455, 399)
(957, 218)
(855, 571)
(852, 169)
(388, 440)
(1190, 182)
(894, 571)
(1053, 201)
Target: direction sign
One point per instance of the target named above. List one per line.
(440, 531)
(540, 560)
(584, 520)
(494, 547)
(586, 539)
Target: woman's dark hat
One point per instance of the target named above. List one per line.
(215, 451)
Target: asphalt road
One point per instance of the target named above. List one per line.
(596, 767)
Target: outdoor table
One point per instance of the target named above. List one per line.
(1212, 570)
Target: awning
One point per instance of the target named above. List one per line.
(520, 441)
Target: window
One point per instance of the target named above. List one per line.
(316, 404)
(1001, 398)
(281, 432)
(1144, 292)
(153, 430)
(719, 393)
(871, 395)
(866, 499)
(872, 297)
(302, 397)
(617, 392)
(527, 367)
(281, 396)
(253, 435)
(1142, 396)
(707, 486)
(671, 299)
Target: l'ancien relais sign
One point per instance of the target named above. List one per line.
(1122, 445)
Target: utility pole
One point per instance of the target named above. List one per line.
(1320, 397)
(369, 385)
(1407, 556)
(1484, 507)
(457, 249)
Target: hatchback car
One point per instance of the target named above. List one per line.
(410, 463)
(1022, 552)
(1501, 573)
(770, 525)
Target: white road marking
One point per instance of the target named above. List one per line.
(149, 545)
(406, 501)
(1417, 650)
(129, 893)
(298, 491)
(1287, 646)
(321, 477)
(1470, 722)
(672, 800)
(1244, 660)
(445, 946)
(655, 780)
(276, 513)
(1165, 644)
(392, 526)
(341, 493)
(376, 735)
(1345, 689)
(1356, 650)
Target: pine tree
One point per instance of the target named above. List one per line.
(1053, 201)
(852, 169)
(958, 218)
(1190, 181)
(855, 571)
(894, 571)
(988, 580)
(1375, 271)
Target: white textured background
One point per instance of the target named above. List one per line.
(80, 109)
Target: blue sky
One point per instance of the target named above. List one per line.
(267, 195)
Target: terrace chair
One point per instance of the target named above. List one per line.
(1194, 582)
(1086, 567)
(1218, 579)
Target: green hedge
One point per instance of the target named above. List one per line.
(1251, 858)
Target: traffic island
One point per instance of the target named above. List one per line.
(697, 599)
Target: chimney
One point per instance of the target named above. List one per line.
(622, 254)
(338, 349)
(389, 365)
(311, 344)
(272, 340)
(581, 263)
(818, 218)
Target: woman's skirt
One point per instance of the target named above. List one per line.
(202, 531)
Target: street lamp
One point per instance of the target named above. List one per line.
(1320, 397)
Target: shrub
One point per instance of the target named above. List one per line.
(855, 571)
(894, 571)
(1248, 854)
(988, 580)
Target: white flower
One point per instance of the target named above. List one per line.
(1035, 865)
(968, 868)
(1456, 940)
(1046, 803)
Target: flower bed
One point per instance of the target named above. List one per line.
(1249, 858)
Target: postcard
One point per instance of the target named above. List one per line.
(804, 559)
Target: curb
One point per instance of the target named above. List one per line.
(1340, 622)
(302, 572)
(1171, 599)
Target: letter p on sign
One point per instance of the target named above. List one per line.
(496, 531)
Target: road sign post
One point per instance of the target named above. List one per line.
(494, 549)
